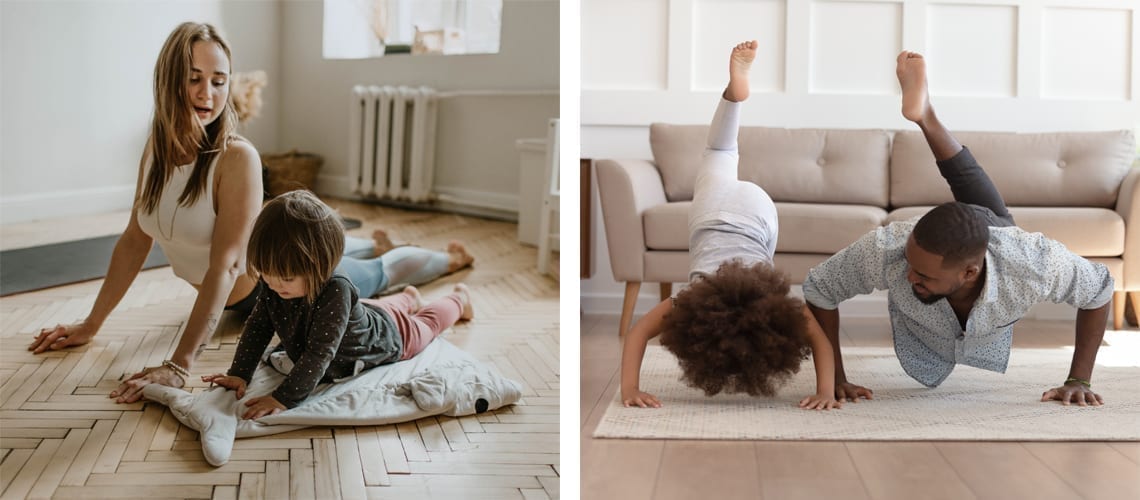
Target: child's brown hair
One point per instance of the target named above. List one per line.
(297, 235)
(737, 331)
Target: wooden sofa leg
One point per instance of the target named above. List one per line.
(1134, 301)
(1118, 309)
(666, 291)
(630, 300)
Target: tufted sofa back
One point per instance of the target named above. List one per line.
(1054, 169)
(793, 165)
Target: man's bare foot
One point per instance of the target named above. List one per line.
(464, 295)
(458, 258)
(738, 65)
(911, 71)
(417, 299)
(384, 243)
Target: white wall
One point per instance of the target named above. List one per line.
(1012, 65)
(503, 97)
(76, 98)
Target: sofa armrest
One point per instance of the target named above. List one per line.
(1128, 206)
(627, 188)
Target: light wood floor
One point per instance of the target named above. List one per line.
(667, 469)
(61, 437)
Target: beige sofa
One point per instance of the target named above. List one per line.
(833, 186)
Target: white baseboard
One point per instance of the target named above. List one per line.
(501, 206)
(478, 199)
(25, 208)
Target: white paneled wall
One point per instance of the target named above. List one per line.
(975, 47)
(1085, 54)
(716, 25)
(848, 57)
(628, 55)
(1012, 65)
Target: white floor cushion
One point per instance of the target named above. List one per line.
(443, 379)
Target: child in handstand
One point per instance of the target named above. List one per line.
(327, 332)
(734, 328)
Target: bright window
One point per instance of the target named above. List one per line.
(356, 29)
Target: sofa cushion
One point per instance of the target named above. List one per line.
(1055, 169)
(820, 228)
(667, 226)
(804, 228)
(1088, 232)
(793, 165)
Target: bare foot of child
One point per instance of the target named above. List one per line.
(384, 243)
(458, 258)
(465, 298)
(738, 65)
(911, 71)
(417, 299)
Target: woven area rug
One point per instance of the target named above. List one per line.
(970, 405)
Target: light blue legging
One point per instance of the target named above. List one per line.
(401, 265)
(361, 248)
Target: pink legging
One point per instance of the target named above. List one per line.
(420, 328)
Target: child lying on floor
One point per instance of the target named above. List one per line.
(327, 332)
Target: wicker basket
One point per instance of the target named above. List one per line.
(289, 171)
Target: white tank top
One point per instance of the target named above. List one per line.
(183, 232)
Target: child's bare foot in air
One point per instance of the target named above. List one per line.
(465, 298)
(738, 65)
(384, 243)
(418, 299)
(911, 71)
(458, 258)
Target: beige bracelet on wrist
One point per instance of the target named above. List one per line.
(178, 370)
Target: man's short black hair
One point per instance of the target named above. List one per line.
(956, 231)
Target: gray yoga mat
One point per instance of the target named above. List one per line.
(34, 268)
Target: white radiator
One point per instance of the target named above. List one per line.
(391, 147)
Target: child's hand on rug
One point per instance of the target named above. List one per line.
(639, 399)
(846, 391)
(820, 402)
(1073, 392)
(262, 406)
(230, 382)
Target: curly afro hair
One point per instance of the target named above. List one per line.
(737, 331)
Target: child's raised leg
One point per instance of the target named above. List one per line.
(718, 189)
(719, 163)
(420, 325)
(968, 181)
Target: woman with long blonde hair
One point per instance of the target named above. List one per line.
(198, 193)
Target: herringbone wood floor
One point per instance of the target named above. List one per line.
(60, 437)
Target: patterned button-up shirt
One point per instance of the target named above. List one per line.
(1022, 269)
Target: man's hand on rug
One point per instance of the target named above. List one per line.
(1073, 392)
(236, 384)
(639, 399)
(62, 336)
(262, 406)
(131, 389)
(846, 391)
(820, 402)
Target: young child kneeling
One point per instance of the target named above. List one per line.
(327, 332)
